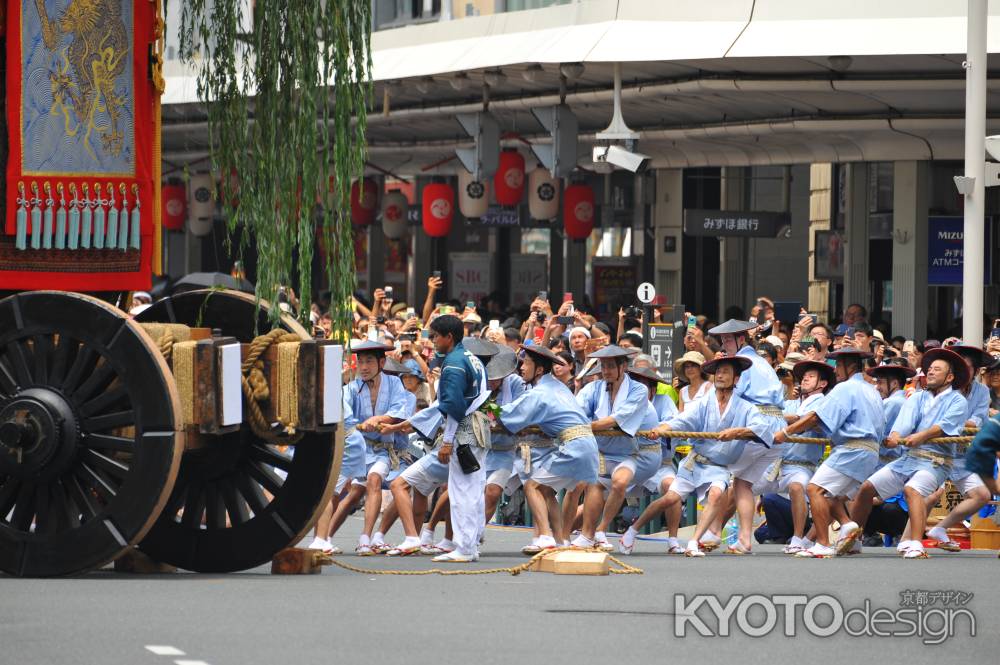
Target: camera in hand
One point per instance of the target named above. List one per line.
(633, 312)
(407, 337)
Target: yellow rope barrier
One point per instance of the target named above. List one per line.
(624, 568)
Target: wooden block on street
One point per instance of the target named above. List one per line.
(298, 561)
(139, 563)
(573, 563)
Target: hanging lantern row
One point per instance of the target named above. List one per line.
(578, 211)
(508, 181)
(438, 209)
(394, 213)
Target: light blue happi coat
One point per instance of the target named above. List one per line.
(852, 410)
(922, 411)
(890, 409)
(353, 464)
(393, 400)
(552, 407)
(760, 383)
(703, 415)
(978, 413)
(810, 453)
(629, 410)
(501, 452)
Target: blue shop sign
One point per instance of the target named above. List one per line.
(945, 251)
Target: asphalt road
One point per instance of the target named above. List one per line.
(106, 618)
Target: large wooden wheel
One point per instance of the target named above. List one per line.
(238, 500)
(90, 433)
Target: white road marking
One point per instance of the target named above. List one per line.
(161, 650)
(190, 662)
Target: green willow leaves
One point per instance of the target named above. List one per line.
(287, 105)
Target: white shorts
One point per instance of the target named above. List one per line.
(834, 482)
(558, 483)
(341, 484)
(664, 472)
(381, 467)
(969, 483)
(425, 477)
(627, 463)
(683, 487)
(790, 474)
(754, 462)
(500, 477)
(888, 483)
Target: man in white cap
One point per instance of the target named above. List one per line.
(851, 414)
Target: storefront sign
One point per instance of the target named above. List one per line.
(735, 223)
(470, 275)
(528, 276)
(615, 281)
(945, 251)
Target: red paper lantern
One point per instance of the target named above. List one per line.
(578, 211)
(174, 206)
(438, 209)
(364, 197)
(508, 181)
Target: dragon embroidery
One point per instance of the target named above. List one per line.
(85, 69)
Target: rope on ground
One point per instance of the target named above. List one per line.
(624, 568)
(256, 389)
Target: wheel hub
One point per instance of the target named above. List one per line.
(38, 434)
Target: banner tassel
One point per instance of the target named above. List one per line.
(48, 217)
(88, 218)
(112, 240)
(74, 218)
(123, 224)
(136, 228)
(61, 218)
(98, 217)
(36, 217)
(22, 219)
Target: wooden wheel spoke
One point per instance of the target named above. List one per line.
(94, 480)
(84, 360)
(98, 380)
(110, 442)
(8, 495)
(24, 509)
(250, 490)
(215, 507)
(42, 348)
(266, 477)
(82, 497)
(60, 359)
(69, 514)
(262, 453)
(175, 502)
(8, 384)
(104, 400)
(235, 506)
(109, 421)
(19, 362)
(194, 507)
(105, 463)
(45, 517)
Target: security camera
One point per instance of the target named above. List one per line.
(618, 156)
(993, 146)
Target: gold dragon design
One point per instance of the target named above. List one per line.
(84, 73)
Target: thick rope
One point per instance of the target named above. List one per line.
(166, 343)
(624, 568)
(256, 389)
(715, 435)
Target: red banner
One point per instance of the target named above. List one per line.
(81, 168)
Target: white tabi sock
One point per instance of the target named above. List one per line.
(446, 544)
(546, 541)
(710, 537)
(672, 542)
(600, 537)
(806, 543)
(364, 541)
(939, 533)
(796, 542)
(408, 542)
(693, 545)
(628, 538)
(426, 537)
(378, 538)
